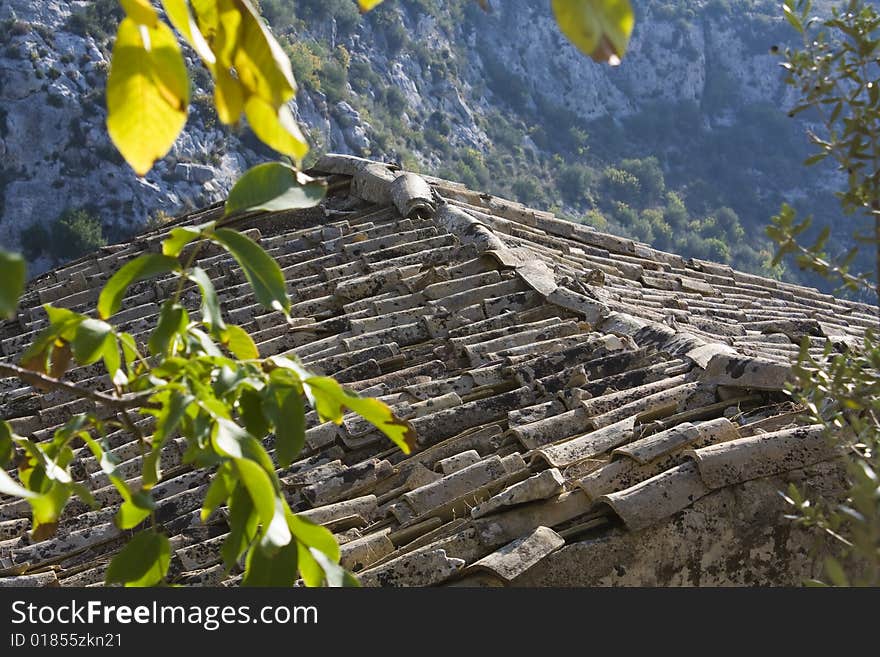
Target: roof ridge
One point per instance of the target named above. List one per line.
(363, 168)
(379, 183)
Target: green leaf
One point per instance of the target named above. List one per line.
(336, 575)
(180, 237)
(261, 271)
(792, 18)
(113, 361)
(211, 313)
(835, 572)
(331, 400)
(143, 561)
(219, 489)
(8, 486)
(274, 186)
(277, 534)
(47, 508)
(7, 444)
(599, 28)
(168, 420)
(129, 349)
(173, 320)
(173, 413)
(12, 276)
(283, 406)
(259, 60)
(250, 408)
(242, 526)
(141, 268)
(259, 487)
(147, 93)
(239, 342)
(309, 535)
(313, 536)
(85, 495)
(311, 571)
(269, 508)
(141, 11)
(90, 340)
(203, 341)
(62, 324)
(228, 96)
(135, 510)
(231, 440)
(271, 568)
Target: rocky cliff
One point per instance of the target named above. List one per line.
(427, 82)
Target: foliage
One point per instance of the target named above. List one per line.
(97, 19)
(668, 146)
(11, 283)
(842, 392)
(148, 87)
(72, 234)
(573, 182)
(837, 78)
(836, 74)
(203, 379)
(618, 186)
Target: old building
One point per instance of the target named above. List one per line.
(589, 410)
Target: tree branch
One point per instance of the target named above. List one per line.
(48, 383)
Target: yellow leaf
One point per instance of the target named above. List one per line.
(276, 128)
(228, 97)
(262, 65)
(228, 22)
(147, 93)
(206, 14)
(181, 18)
(140, 11)
(366, 5)
(599, 28)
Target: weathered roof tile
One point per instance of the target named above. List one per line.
(634, 382)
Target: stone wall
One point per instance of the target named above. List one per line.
(736, 536)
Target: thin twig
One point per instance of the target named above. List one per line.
(183, 277)
(129, 424)
(48, 383)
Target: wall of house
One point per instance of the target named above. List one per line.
(736, 536)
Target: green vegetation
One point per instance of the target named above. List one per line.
(72, 234)
(98, 19)
(698, 179)
(203, 380)
(836, 74)
(185, 385)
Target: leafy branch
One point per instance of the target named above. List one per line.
(837, 76)
(838, 80)
(203, 380)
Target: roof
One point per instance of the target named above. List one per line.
(563, 383)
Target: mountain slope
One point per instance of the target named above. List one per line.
(684, 146)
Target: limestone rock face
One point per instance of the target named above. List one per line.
(56, 153)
